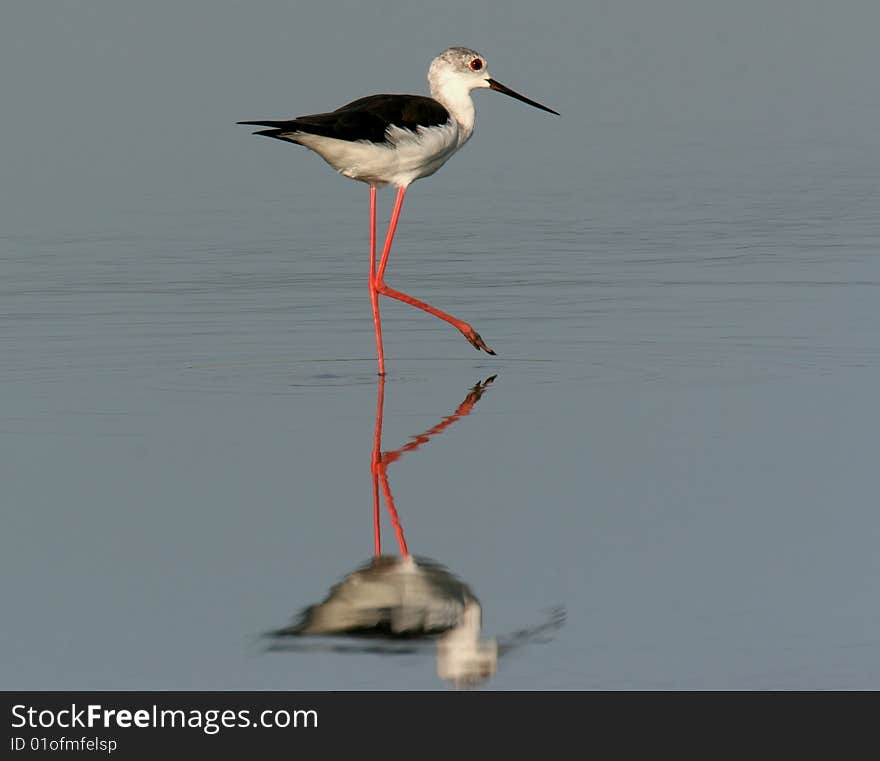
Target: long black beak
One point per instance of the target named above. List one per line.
(496, 85)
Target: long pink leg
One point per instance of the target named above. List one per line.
(379, 285)
(374, 296)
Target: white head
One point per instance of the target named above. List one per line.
(458, 68)
(457, 71)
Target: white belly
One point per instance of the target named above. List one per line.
(406, 156)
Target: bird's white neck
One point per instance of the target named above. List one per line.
(455, 97)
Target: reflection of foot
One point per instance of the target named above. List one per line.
(477, 391)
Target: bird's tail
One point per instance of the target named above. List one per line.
(283, 130)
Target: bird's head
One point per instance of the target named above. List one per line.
(462, 69)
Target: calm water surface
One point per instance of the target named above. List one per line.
(671, 483)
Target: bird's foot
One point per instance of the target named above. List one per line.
(476, 341)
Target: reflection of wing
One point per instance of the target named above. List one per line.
(539, 634)
(553, 622)
(388, 597)
(462, 659)
(371, 647)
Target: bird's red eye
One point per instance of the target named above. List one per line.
(476, 64)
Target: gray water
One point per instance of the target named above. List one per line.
(680, 276)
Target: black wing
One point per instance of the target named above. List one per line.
(363, 119)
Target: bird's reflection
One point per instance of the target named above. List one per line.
(391, 604)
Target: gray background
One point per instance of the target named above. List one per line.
(680, 275)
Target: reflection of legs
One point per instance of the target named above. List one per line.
(381, 460)
(375, 465)
(379, 472)
(463, 410)
(392, 511)
(378, 284)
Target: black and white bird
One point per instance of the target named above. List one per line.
(395, 140)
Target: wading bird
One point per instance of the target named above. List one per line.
(395, 140)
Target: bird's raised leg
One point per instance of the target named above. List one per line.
(374, 296)
(379, 284)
